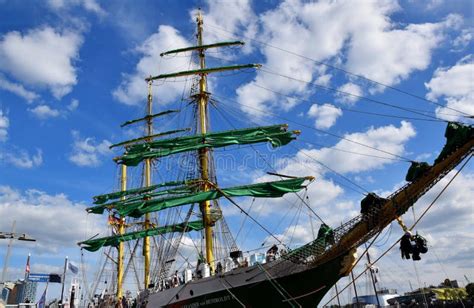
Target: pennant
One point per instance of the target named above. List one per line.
(74, 269)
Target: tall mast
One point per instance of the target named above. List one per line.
(147, 171)
(203, 153)
(121, 230)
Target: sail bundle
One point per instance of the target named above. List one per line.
(96, 244)
(277, 135)
(100, 199)
(136, 209)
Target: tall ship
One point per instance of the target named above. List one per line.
(168, 231)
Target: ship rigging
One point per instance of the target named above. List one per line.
(159, 216)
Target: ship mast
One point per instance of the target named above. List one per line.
(147, 180)
(203, 153)
(121, 231)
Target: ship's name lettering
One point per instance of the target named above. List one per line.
(209, 301)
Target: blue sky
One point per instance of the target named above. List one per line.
(72, 71)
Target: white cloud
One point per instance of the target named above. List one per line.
(42, 57)
(455, 85)
(90, 5)
(349, 88)
(44, 112)
(4, 124)
(73, 105)
(88, 153)
(63, 222)
(389, 138)
(360, 32)
(229, 17)
(463, 39)
(133, 88)
(22, 159)
(325, 115)
(17, 89)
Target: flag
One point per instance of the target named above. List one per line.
(54, 278)
(27, 268)
(42, 301)
(74, 269)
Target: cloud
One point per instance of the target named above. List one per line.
(89, 5)
(22, 159)
(361, 34)
(454, 84)
(17, 89)
(63, 222)
(42, 57)
(349, 88)
(388, 138)
(88, 153)
(44, 112)
(73, 105)
(4, 124)
(226, 17)
(325, 115)
(463, 39)
(133, 88)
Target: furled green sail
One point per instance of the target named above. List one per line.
(261, 190)
(277, 135)
(100, 199)
(96, 244)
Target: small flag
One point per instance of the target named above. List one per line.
(74, 269)
(27, 268)
(54, 278)
(42, 301)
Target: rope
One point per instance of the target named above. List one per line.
(266, 112)
(286, 297)
(232, 294)
(411, 228)
(340, 69)
(355, 110)
(347, 93)
(247, 214)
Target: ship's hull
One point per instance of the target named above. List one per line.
(278, 284)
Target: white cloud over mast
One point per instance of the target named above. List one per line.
(133, 87)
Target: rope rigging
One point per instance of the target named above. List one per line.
(411, 228)
(326, 88)
(345, 71)
(266, 112)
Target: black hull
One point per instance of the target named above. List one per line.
(291, 285)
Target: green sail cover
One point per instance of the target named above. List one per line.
(100, 199)
(99, 209)
(263, 190)
(277, 135)
(96, 244)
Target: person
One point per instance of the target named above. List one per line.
(218, 268)
(124, 302)
(271, 253)
(406, 247)
(175, 280)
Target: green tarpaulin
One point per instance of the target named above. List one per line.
(100, 199)
(96, 244)
(277, 135)
(456, 136)
(264, 190)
